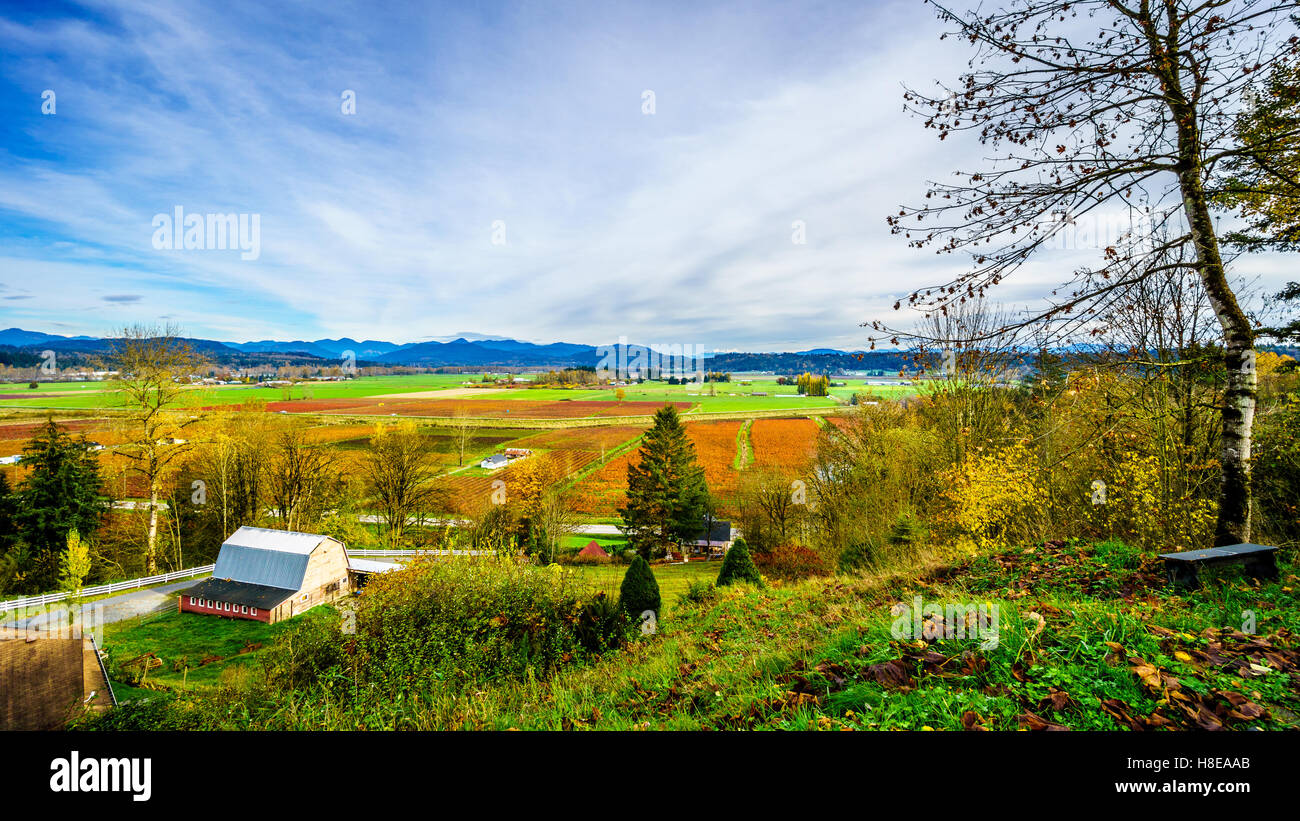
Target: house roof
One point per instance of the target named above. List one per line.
(720, 532)
(226, 590)
(593, 549)
(372, 566)
(274, 558)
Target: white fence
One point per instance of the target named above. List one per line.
(101, 589)
(363, 553)
(133, 584)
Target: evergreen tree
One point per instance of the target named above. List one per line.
(8, 515)
(737, 566)
(63, 492)
(640, 591)
(666, 491)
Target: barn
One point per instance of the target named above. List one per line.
(272, 575)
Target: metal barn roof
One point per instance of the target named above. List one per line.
(274, 558)
(287, 541)
(371, 566)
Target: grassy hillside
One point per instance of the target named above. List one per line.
(1087, 637)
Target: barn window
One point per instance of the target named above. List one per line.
(243, 609)
(252, 611)
(191, 600)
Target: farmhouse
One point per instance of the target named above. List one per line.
(713, 537)
(272, 575)
(493, 462)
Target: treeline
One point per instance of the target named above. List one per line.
(1117, 449)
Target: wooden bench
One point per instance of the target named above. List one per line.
(1183, 569)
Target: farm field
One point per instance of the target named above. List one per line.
(783, 444)
(383, 396)
(673, 579)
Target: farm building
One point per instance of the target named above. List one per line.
(272, 575)
(593, 551)
(713, 537)
(493, 462)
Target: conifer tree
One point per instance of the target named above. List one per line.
(63, 492)
(737, 566)
(639, 591)
(666, 491)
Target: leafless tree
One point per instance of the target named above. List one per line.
(1092, 106)
(400, 469)
(153, 366)
(299, 479)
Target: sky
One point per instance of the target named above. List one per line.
(573, 171)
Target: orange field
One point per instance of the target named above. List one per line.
(784, 444)
(470, 494)
(606, 438)
(715, 449)
(602, 492)
(25, 430)
(841, 422)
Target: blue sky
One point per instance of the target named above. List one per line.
(524, 118)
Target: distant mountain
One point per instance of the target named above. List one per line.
(323, 348)
(468, 350)
(19, 338)
(500, 352)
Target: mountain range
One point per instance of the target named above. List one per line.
(467, 350)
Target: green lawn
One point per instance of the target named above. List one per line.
(673, 578)
(184, 640)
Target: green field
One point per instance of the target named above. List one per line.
(183, 640)
(101, 397)
(673, 578)
(721, 397)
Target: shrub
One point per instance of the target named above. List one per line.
(603, 625)
(857, 556)
(697, 592)
(738, 566)
(479, 619)
(791, 562)
(307, 652)
(640, 591)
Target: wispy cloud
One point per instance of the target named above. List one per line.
(671, 226)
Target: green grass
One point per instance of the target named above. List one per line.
(1087, 637)
(673, 579)
(612, 544)
(184, 640)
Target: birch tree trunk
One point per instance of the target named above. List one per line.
(1238, 412)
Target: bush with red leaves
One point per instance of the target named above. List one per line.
(791, 562)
